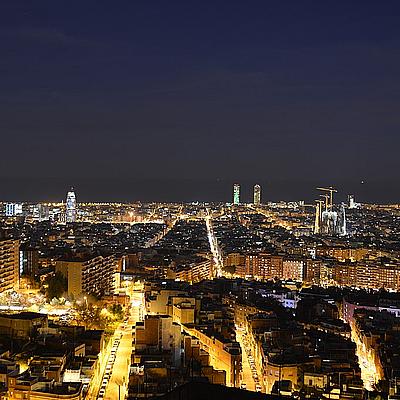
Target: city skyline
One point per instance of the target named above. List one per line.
(100, 190)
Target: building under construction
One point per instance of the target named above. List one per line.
(330, 219)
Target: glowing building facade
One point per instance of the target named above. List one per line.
(13, 209)
(257, 195)
(9, 265)
(236, 194)
(70, 207)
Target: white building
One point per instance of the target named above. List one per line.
(70, 207)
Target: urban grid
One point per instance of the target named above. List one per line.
(287, 299)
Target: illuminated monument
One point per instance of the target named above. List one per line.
(329, 220)
(352, 202)
(236, 194)
(70, 206)
(257, 195)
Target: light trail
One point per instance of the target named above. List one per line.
(217, 257)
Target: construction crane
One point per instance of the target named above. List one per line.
(331, 190)
(318, 209)
(326, 201)
(320, 202)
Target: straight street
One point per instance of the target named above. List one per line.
(118, 384)
(95, 383)
(250, 375)
(217, 257)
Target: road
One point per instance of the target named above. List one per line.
(217, 257)
(119, 376)
(95, 383)
(118, 383)
(155, 240)
(247, 373)
(371, 373)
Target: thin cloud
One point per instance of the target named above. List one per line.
(45, 36)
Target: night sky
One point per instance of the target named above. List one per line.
(176, 100)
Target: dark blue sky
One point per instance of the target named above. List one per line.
(164, 99)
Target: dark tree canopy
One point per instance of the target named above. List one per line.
(57, 286)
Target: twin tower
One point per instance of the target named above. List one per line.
(256, 194)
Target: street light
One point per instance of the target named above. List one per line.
(120, 383)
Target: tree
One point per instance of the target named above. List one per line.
(117, 311)
(230, 269)
(57, 285)
(90, 317)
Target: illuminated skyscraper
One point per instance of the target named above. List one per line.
(257, 195)
(236, 194)
(70, 207)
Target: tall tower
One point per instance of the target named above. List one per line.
(236, 194)
(70, 206)
(257, 195)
